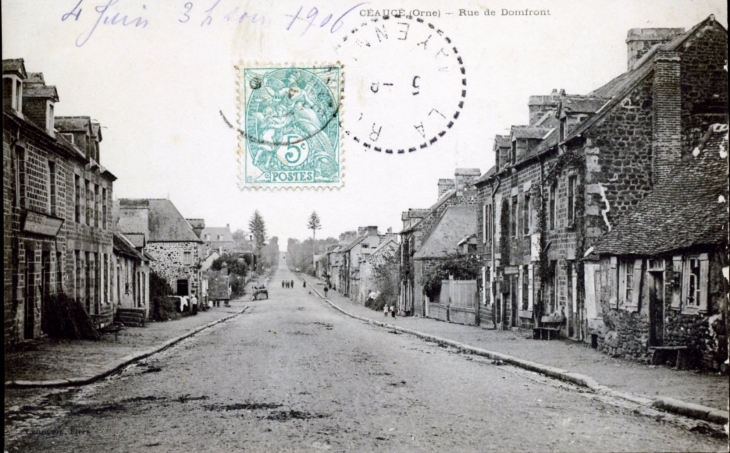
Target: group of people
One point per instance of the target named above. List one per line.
(389, 309)
(289, 284)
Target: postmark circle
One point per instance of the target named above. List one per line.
(409, 80)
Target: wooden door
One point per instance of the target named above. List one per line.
(656, 308)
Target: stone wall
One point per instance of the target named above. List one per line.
(627, 333)
(169, 262)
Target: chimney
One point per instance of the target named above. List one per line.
(444, 186)
(640, 40)
(539, 105)
(95, 140)
(465, 177)
(667, 103)
(39, 101)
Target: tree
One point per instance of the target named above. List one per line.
(258, 228)
(314, 224)
(458, 265)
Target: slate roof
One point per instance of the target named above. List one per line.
(688, 210)
(124, 247)
(14, 65)
(215, 232)
(622, 85)
(383, 245)
(528, 132)
(35, 87)
(501, 141)
(486, 176)
(455, 223)
(158, 218)
(352, 244)
(73, 123)
(581, 104)
(444, 198)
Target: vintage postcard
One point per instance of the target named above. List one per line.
(408, 226)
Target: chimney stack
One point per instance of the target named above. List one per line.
(640, 40)
(667, 139)
(464, 177)
(444, 186)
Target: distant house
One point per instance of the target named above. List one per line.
(169, 239)
(417, 226)
(659, 281)
(218, 239)
(450, 229)
(353, 254)
(388, 248)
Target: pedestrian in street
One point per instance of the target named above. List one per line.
(194, 303)
(385, 310)
(325, 291)
(292, 284)
(392, 311)
(304, 284)
(282, 283)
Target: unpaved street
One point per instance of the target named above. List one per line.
(292, 374)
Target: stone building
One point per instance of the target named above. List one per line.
(353, 254)
(418, 224)
(167, 237)
(454, 225)
(548, 202)
(369, 281)
(218, 239)
(56, 206)
(659, 281)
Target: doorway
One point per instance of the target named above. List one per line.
(656, 308)
(182, 287)
(29, 308)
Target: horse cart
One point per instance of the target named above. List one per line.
(260, 293)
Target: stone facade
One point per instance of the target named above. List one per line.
(175, 262)
(605, 153)
(57, 207)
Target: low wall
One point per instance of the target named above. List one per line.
(460, 315)
(437, 311)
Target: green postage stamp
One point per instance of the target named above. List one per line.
(289, 123)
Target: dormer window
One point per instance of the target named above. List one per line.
(513, 152)
(13, 93)
(562, 129)
(49, 118)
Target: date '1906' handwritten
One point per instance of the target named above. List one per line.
(201, 13)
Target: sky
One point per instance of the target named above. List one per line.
(162, 85)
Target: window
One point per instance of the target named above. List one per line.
(19, 186)
(513, 217)
(97, 207)
(571, 199)
(49, 118)
(220, 237)
(629, 285)
(513, 152)
(488, 225)
(526, 215)
(89, 203)
(525, 288)
(553, 205)
(188, 258)
(693, 292)
(103, 209)
(77, 201)
(629, 279)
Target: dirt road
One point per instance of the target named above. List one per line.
(295, 375)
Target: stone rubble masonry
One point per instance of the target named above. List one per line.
(626, 151)
(38, 175)
(170, 262)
